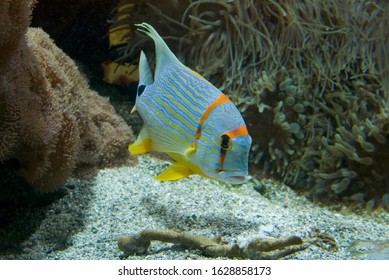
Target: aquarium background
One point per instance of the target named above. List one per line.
(310, 78)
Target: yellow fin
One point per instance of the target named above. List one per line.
(139, 148)
(176, 171)
(143, 143)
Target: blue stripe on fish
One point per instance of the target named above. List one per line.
(184, 122)
(191, 96)
(164, 117)
(190, 119)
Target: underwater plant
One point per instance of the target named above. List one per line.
(51, 123)
(311, 78)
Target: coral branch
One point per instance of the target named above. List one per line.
(255, 249)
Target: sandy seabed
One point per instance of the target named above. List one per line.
(88, 219)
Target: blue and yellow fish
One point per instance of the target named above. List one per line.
(188, 118)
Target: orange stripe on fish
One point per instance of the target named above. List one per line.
(222, 98)
(219, 101)
(240, 131)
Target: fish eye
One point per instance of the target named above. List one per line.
(225, 142)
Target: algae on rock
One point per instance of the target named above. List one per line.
(51, 122)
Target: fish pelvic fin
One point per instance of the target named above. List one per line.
(176, 171)
(164, 56)
(143, 143)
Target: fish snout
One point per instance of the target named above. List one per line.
(234, 177)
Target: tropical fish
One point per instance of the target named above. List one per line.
(188, 118)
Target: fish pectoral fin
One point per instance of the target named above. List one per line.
(143, 143)
(168, 141)
(176, 171)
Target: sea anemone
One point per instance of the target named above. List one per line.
(311, 78)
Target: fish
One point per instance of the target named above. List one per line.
(188, 118)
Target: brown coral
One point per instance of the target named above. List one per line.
(312, 78)
(265, 248)
(50, 121)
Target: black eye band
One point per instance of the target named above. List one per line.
(225, 142)
(141, 88)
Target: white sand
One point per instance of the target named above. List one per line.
(87, 222)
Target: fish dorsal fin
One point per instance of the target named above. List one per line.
(145, 75)
(164, 55)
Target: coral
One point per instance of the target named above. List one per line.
(258, 248)
(255, 249)
(311, 77)
(51, 122)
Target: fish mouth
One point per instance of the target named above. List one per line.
(236, 180)
(234, 177)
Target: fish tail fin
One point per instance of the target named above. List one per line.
(163, 53)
